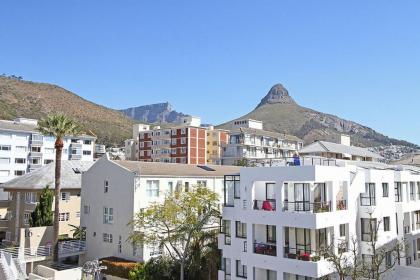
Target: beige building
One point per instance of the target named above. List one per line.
(24, 193)
(217, 140)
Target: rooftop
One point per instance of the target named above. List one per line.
(177, 169)
(324, 146)
(71, 176)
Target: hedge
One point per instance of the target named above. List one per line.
(117, 266)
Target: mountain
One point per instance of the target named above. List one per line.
(281, 113)
(154, 113)
(20, 98)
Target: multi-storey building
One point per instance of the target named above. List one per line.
(114, 191)
(277, 220)
(24, 192)
(248, 141)
(217, 140)
(23, 149)
(343, 150)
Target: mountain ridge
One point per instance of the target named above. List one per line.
(20, 98)
(281, 113)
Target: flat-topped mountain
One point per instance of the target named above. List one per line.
(154, 113)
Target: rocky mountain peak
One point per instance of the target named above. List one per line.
(277, 94)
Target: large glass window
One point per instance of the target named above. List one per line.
(241, 269)
(412, 191)
(385, 190)
(108, 215)
(271, 234)
(368, 227)
(152, 188)
(240, 229)
(398, 192)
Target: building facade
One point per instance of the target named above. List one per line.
(249, 142)
(217, 140)
(23, 149)
(24, 193)
(276, 220)
(137, 184)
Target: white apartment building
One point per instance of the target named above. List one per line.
(276, 219)
(248, 141)
(23, 148)
(114, 191)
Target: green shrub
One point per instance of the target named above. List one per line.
(118, 267)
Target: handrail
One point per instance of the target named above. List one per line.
(307, 206)
(267, 205)
(265, 249)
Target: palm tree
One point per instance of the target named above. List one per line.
(59, 126)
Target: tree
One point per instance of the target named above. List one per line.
(177, 222)
(42, 215)
(348, 262)
(78, 232)
(59, 126)
(160, 268)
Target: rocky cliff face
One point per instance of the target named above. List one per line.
(154, 113)
(277, 94)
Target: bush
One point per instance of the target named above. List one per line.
(160, 268)
(118, 267)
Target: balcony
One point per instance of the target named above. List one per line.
(306, 206)
(341, 205)
(301, 252)
(267, 249)
(265, 205)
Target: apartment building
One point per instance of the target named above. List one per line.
(217, 140)
(248, 141)
(343, 150)
(23, 149)
(24, 192)
(277, 219)
(114, 191)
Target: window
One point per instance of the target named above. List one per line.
(412, 191)
(74, 140)
(119, 247)
(4, 173)
(65, 196)
(226, 267)
(183, 141)
(87, 142)
(19, 160)
(202, 183)
(108, 215)
(78, 214)
(26, 218)
(86, 209)
(36, 149)
(4, 160)
(271, 234)
(187, 186)
(398, 192)
(183, 131)
(342, 230)
(240, 229)
(226, 231)
(388, 259)
(5, 147)
(385, 189)
(368, 229)
(135, 249)
(19, 172)
(241, 270)
(106, 186)
(21, 149)
(87, 153)
(170, 187)
(152, 188)
(30, 197)
(63, 217)
(386, 224)
(418, 190)
(107, 237)
(48, 161)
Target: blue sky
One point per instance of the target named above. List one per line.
(216, 59)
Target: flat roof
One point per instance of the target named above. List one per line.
(177, 169)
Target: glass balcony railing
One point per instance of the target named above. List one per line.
(265, 249)
(306, 206)
(265, 205)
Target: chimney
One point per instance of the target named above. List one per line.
(345, 140)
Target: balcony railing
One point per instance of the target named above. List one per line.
(265, 249)
(266, 205)
(306, 206)
(303, 253)
(367, 200)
